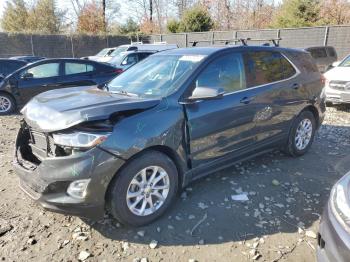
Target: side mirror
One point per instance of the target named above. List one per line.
(203, 93)
(335, 64)
(27, 76)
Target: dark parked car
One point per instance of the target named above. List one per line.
(175, 117)
(8, 66)
(28, 58)
(17, 89)
(125, 60)
(324, 56)
(334, 233)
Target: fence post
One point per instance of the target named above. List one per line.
(72, 46)
(32, 44)
(107, 40)
(212, 37)
(186, 40)
(325, 40)
(161, 37)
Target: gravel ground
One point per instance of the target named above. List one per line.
(277, 223)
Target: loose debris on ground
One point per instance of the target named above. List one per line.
(265, 209)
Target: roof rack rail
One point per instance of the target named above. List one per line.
(244, 41)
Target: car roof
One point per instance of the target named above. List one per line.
(12, 60)
(215, 49)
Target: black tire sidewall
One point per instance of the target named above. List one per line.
(117, 194)
(292, 149)
(13, 105)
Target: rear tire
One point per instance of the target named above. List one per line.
(7, 104)
(301, 134)
(144, 189)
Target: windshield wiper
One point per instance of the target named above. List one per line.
(123, 92)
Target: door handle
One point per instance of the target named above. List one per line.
(295, 86)
(246, 100)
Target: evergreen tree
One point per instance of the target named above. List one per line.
(15, 16)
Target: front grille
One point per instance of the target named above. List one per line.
(339, 85)
(42, 144)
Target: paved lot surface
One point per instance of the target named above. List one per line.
(205, 224)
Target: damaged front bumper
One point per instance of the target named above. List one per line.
(47, 180)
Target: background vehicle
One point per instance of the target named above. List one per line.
(334, 232)
(102, 56)
(338, 83)
(141, 47)
(125, 60)
(175, 117)
(324, 56)
(8, 66)
(18, 88)
(28, 58)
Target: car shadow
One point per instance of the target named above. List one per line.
(284, 193)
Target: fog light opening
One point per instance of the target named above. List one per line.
(78, 188)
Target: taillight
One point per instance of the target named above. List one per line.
(118, 70)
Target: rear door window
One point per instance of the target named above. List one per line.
(226, 72)
(77, 68)
(263, 67)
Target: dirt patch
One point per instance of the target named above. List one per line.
(278, 219)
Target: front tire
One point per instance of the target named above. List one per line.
(7, 104)
(301, 135)
(144, 189)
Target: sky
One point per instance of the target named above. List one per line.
(66, 5)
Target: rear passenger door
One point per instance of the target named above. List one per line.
(221, 127)
(273, 85)
(77, 74)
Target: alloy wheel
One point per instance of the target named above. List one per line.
(148, 191)
(5, 104)
(303, 134)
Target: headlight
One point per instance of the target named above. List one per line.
(80, 139)
(340, 200)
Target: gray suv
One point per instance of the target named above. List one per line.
(175, 117)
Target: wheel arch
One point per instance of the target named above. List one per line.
(314, 111)
(169, 152)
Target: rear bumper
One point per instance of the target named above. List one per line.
(47, 183)
(333, 239)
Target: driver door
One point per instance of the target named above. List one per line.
(220, 126)
(38, 79)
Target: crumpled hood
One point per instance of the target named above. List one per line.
(63, 108)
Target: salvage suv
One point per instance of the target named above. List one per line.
(129, 147)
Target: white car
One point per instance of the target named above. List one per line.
(337, 86)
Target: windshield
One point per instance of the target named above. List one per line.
(103, 52)
(119, 50)
(155, 76)
(346, 62)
